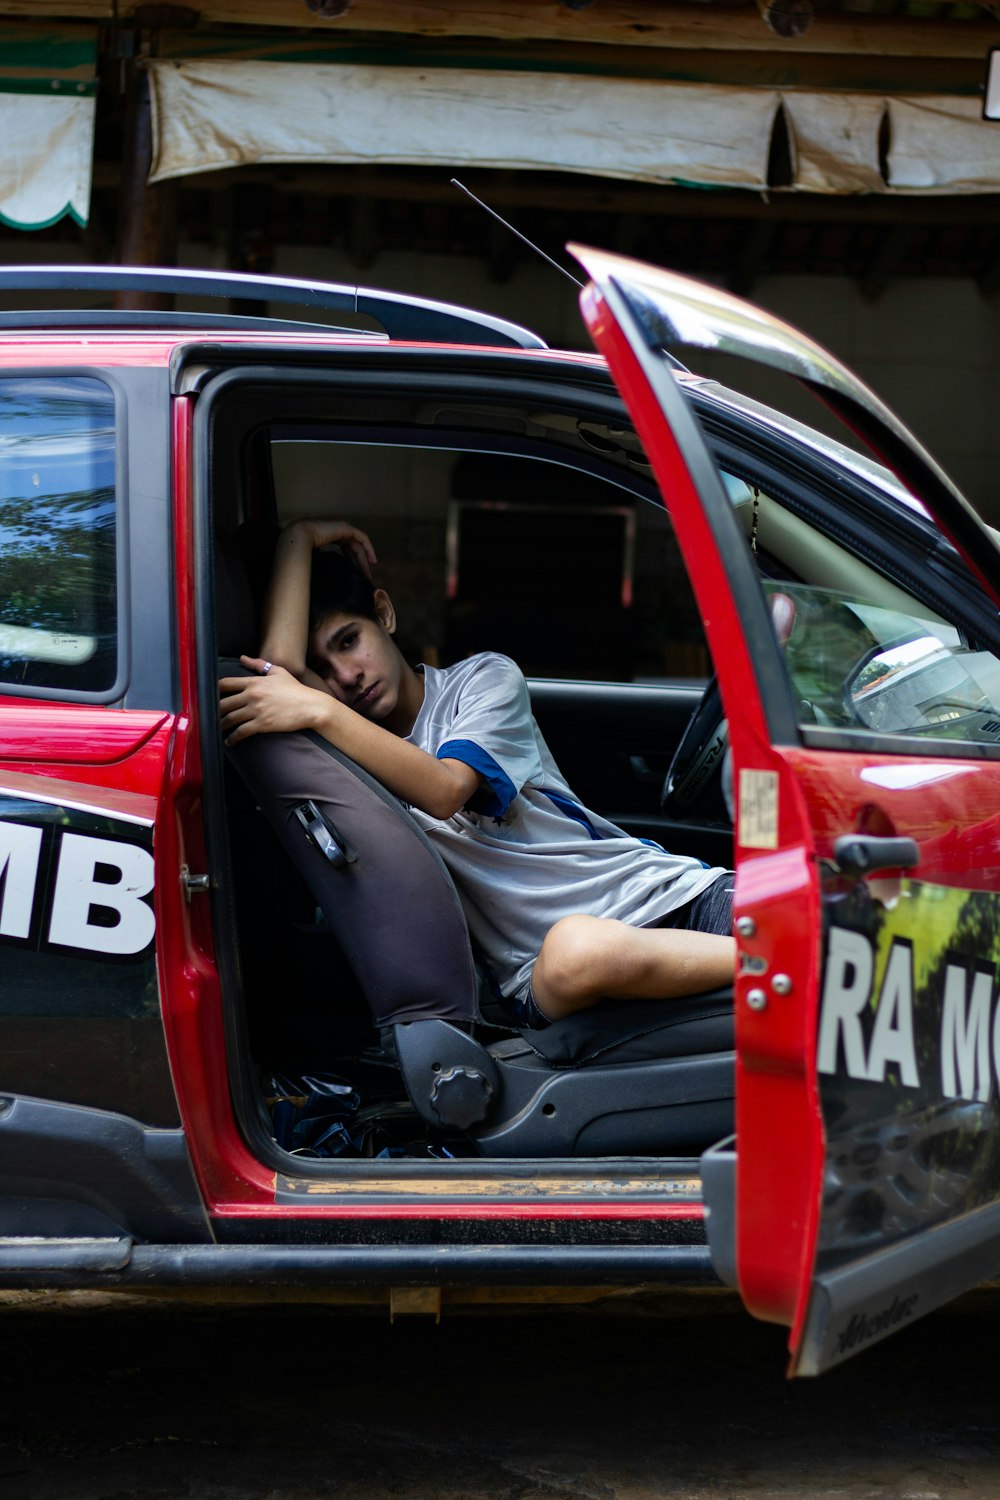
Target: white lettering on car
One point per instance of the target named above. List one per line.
(78, 894)
(892, 1039)
(965, 1035)
(849, 968)
(20, 848)
(864, 1029)
(98, 889)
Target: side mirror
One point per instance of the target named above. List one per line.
(912, 685)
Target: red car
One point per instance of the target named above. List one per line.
(744, 640)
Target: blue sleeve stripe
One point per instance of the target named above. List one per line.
(499, 792)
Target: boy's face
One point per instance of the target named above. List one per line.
(359, 661)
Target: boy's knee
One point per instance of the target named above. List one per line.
(566, 963)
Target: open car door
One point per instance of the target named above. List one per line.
(867, 1153)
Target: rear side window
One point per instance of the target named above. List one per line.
(58, 574)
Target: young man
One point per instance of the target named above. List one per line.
(566, 908)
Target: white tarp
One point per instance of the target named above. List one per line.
(834, 141)
(942, 145)
(208, 115)
(45, 163)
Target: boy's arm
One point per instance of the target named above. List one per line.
(286, 609)
(278, 702)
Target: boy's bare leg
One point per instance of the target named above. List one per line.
(585, 959)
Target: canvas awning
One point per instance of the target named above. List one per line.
(217, 114)
(47, 108)
(209, 115)
(834, 142)
(942, 145)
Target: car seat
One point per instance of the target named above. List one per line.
(644, 1078)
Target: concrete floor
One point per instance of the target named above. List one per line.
(106, 1400)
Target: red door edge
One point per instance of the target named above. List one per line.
(776, 1095)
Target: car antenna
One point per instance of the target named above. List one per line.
(671, 358)
(522, 237)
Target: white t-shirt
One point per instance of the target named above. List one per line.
(525, 852)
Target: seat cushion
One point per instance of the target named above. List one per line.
(617, 1031)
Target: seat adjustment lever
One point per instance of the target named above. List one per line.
(320, 831)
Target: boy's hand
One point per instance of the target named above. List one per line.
(272, 703)
(324, 533)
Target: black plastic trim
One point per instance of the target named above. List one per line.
(864, 1302)
(389, 1265)
(718, 1178)
(104, 321)
(247, 1103)
(155, 663)
(116, 692)
(390, 361)
(868, 742)
(137, 1176)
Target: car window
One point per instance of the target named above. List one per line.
(573, 575)
(58, 589)
(857, 665)
(863, 655)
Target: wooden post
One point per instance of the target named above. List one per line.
(147, 216)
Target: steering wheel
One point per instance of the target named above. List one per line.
(697, 762)
(701, 754)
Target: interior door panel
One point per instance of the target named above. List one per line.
(614, 743)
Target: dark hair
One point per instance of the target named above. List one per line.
(338, 587)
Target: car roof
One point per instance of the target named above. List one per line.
(399, 315)
(142, 337)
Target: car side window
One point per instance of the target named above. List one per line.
(58, 572)
(862, 666)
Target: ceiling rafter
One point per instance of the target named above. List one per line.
(648, 26)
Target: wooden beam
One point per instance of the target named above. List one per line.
(606, 23)
(546, 192)
(868, 70)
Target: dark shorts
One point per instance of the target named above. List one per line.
(711, 911)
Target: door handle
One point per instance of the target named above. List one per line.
(864, 854)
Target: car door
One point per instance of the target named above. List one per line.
(91, 1145)
(867, 1153)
